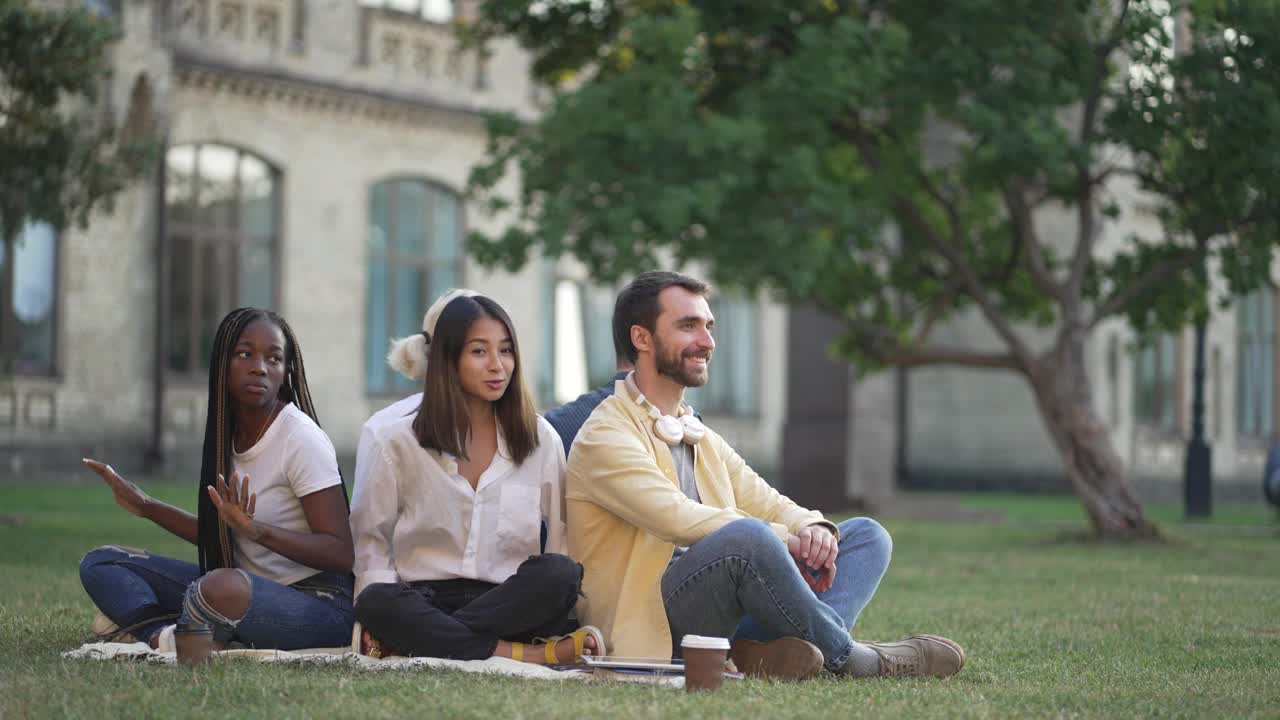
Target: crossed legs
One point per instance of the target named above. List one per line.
(741, 582)
(472, 620)
(143, 593)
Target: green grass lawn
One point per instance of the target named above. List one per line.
(1190, 628)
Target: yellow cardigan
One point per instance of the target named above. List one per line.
(626, 514)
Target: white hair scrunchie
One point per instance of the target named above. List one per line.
(408, 355)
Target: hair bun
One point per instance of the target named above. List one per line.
(408, 356)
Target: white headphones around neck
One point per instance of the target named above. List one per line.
(686, 428)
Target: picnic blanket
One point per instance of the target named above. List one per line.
(343, 656)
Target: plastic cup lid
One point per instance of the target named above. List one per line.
(702, 642)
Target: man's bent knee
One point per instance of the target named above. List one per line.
(867, 532)
(747, 537)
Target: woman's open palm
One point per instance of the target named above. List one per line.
(128, 495)
(234, 502)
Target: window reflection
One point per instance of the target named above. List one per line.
(1256, 367)
(440, 11)
(570, 373)
(1156, 385)
(223, 226)
(29, 299)
(415, 241)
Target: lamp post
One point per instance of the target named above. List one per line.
(1198, 468)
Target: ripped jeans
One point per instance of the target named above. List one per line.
(142, 593)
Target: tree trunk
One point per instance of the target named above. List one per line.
(1065, 398)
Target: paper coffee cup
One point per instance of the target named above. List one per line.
(193, 643)
(704, 659)
(704, 642)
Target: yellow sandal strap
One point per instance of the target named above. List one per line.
(517, 651)
(551, 657)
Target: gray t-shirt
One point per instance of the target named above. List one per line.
(682, 456)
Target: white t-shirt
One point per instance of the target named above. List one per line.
(414, 517)
(291, 460)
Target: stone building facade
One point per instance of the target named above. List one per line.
(315, 157)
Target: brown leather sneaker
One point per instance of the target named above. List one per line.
(787, 658)
(919, 656)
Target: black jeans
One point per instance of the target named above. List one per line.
(464, 619)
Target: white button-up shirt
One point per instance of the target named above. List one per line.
(414, 517)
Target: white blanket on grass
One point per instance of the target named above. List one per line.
(343, 656)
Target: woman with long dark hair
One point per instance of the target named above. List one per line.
(449, 518)
(271, 532)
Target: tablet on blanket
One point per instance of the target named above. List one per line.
(615, 662)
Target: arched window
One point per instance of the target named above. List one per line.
(415, 255)
(222, 226)
(28, 298)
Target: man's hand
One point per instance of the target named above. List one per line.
(814, 549)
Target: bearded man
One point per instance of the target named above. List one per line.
(678, 535)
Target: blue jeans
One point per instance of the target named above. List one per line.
(741, 582)
(145, 592)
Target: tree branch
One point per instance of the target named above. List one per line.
(1119, 301)
(948, 205)
(889, 349)
(1085, 182)
(951, 356)
(931, 319)
(911, 217)
(1117, 31)
(1024, 234)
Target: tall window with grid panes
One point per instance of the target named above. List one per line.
(415, 255)
(222, 226)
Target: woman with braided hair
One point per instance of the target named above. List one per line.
(271, 530)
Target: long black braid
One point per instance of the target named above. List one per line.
(214, 546)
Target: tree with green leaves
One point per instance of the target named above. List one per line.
(890, 161)
(1204, 168)
(60, 156)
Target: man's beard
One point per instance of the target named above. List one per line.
(671, 364)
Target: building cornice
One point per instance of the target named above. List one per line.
(195, 70)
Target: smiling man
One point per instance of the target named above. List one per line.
(678, 535)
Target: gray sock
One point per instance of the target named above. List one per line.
(862, 662)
